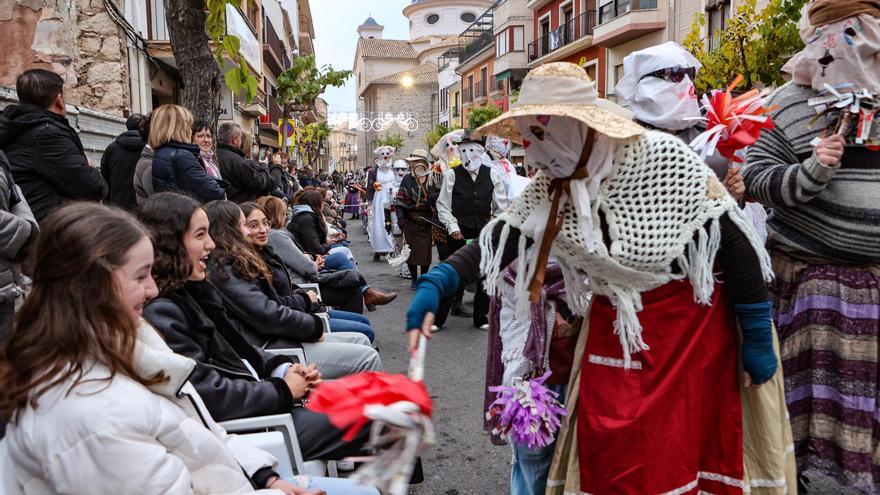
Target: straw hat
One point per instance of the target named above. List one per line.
(563, 89)
(419, 155)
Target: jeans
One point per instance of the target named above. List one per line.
(337, 261)
(528, 474)
(344, 321)
(333, 486)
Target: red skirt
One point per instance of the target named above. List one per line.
(673, 423)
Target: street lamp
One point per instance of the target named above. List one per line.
(407, 81)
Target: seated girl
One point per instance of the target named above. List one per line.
(310, 230)
(334, 284)
(96, 400)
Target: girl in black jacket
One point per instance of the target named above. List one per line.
(279, 320)
(235, 378)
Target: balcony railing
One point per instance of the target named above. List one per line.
(481, 89)
(467, 94)
(273, 48)
(566, 34)
(275, 112)
(477, 36)
(456, 111)
(617, 8)
(499, 87)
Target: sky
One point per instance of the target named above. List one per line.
(336, 23)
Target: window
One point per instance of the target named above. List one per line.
(501, 45)
(618, 73)
(444, 100)
(468, 17)
(519, 38)
(718, 13)
(432, 19)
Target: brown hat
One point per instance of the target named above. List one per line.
(824, 12)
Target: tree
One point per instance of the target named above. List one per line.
(481, 115)
(389, 139)
(439, 130)
(191, 30)
(299, 86)
(310, 138)
(755, 45)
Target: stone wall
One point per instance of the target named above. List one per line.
(395, 99)
(74, 38)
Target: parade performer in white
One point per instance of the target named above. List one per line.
(379, 182)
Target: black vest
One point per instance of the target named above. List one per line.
(472, 200)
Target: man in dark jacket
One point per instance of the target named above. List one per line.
(46, 156)
(247, 179)
(119, 161)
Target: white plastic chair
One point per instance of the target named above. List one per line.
(274, 443)
(281, 423)
(8, 481)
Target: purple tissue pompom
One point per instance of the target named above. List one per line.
(527, 412)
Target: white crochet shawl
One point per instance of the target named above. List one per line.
(661, 204)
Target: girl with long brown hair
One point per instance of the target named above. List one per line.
(97, 402)
(268, 311)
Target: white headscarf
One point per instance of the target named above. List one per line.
(663, 104)
(555, 145)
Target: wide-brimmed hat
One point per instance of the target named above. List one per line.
(563, 89)
(469, 137)
(419, 155)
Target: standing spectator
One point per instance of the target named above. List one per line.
(45, 154)
(143, 171)
(282, 181)
(176, 163)
(247, 180)
(203, 137)
(17, 228)
(119, 161)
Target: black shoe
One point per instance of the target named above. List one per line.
(376, 257)
(414, 284)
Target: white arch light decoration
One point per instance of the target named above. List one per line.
(386, 120)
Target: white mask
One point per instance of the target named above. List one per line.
(473, 155)
(383, 156)
(665, 104)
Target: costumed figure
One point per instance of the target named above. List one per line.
(401, 249)
(658, 85)
(415, 213)
(353, 198)
(637, 220)
(819, 175)
(378, 196)
(470, 195)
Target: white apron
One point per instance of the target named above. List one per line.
(380, 239)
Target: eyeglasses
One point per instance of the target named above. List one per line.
(674, 74)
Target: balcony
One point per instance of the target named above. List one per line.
(498, 89)
(467, 95)
(477, 36)
(274, 55)
(577, 29)
(624, 20)
(481, 93)
(275, 112)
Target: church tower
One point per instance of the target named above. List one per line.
(370, 29)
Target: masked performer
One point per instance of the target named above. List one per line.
(640, 218)
(379, 182)
(470, 195)
(658, 85)
(414, 212)
(824, 238)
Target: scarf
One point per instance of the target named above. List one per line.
(210, 165)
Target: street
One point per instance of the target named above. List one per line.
(463, 461)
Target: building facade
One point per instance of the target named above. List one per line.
(397, 81)
(343, 148)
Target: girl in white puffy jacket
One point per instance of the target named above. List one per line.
(97, 403)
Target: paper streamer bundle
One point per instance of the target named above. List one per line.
(855, 109)
(526, 412)
(732, 123)
(400, 260)
(400, 409)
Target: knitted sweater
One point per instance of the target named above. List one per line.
(816, 211)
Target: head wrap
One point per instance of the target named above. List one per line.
(824, 12)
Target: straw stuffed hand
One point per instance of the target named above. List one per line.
(732, 123)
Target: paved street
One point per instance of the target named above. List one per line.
(463, 462)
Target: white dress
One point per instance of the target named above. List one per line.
(380, 239)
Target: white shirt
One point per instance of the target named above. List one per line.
(444, 200)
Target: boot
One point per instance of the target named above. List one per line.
(377, 257)
(458, 308)
(373, 298)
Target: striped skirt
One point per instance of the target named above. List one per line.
(828, 318)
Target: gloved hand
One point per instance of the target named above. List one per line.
(440, 282)
(758, 356)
